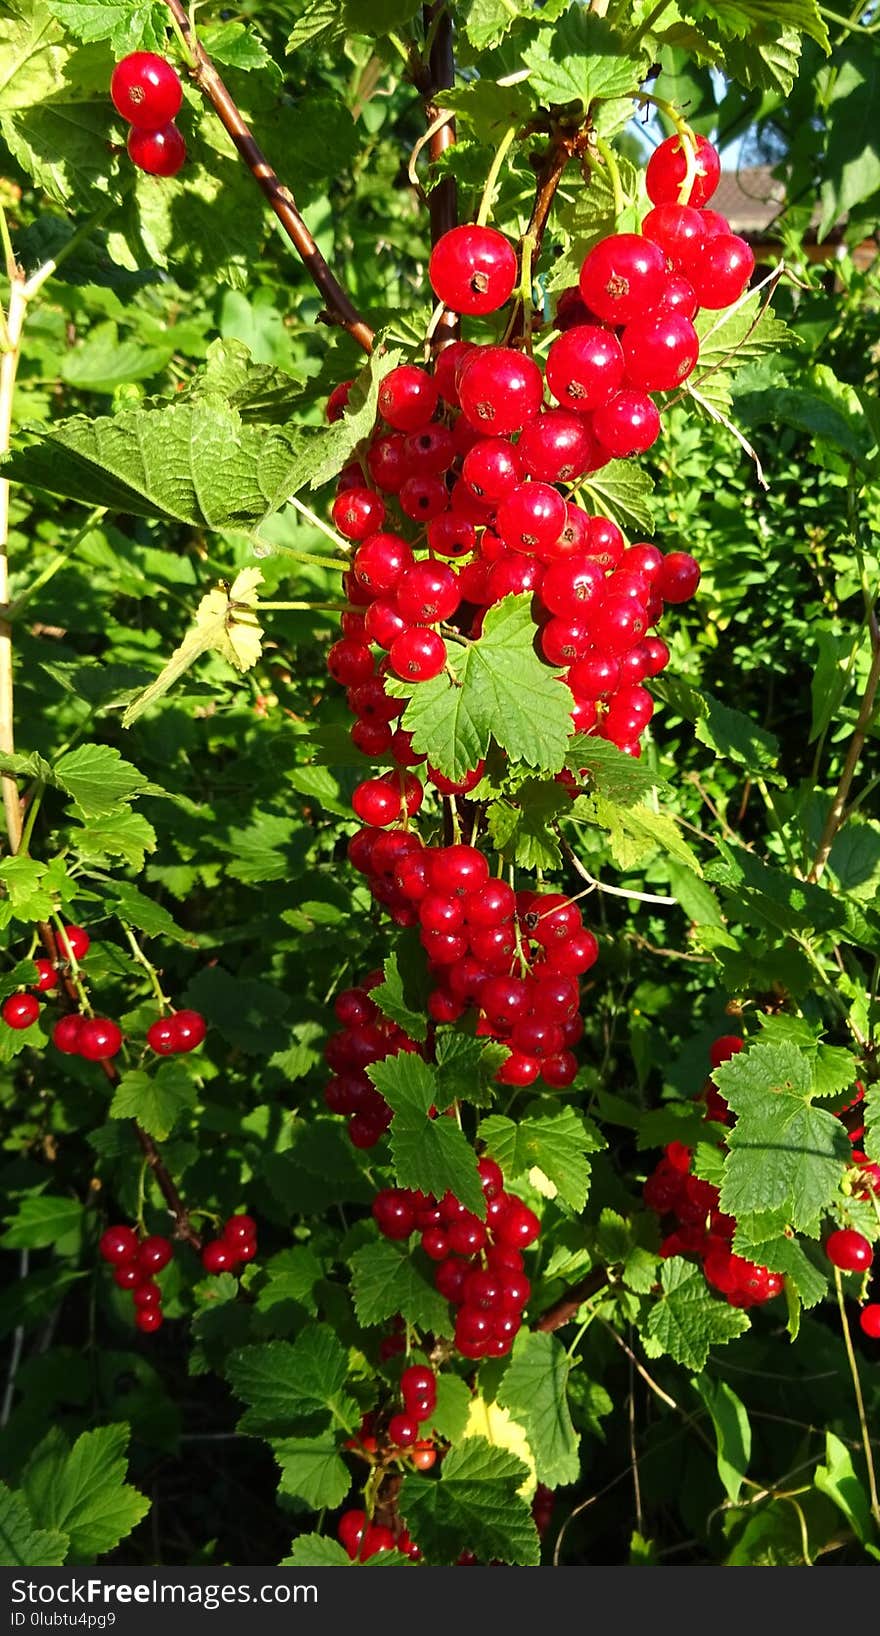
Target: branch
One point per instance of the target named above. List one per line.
(563, 145)
(340, 308)
(439, 75)
(837, 810)
(565, 1308)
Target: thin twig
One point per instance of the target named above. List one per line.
(569, 1304)
(340, 307)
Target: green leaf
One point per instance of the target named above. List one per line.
(486, 22)
(636, 832)
(127, 25)
(851, 172)
(622, 491)
(555, 1143)
(312, 1470)
(784, 1153)
(766, 1239)
(125, 835)
(727, 341)
(837, 1479)
(534, 1389)
(27, 897)
(520, 828)
(82, 1491)
(285, 1384)
(155, 1100)
(432, 1155)
(135, 909)
(466, 1067)
(292, 1276)
(580, 61)
(99, 780)
(733, 1433)
(739, 19)
(22, 1544)
(687, 1320)
(390, 997)
(225, 622)
(318, 1550)
(474, 1499)
(617, 777)
(728, 732)
(388, 1278)
(498, 688)
(41, 1219)
(53, 106)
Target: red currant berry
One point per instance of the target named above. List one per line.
(337, 401)
(428, 593)
(556, 447)
(531, 518)
(154, 1253)
(621, 277)
(47, 976)
(451, 535)
(869, 1321)
(667, 169)
(99, 1039)
(158, 153)
(849, 1250)
(387, 463)
(628, 425)
(162, 1037)
(722, 272)
(491, 904)
(128, 1275)
(218, 1256)
(417, 655)
(66, 1032)
(585, 367)
(118, 1245)
(148, 1319)
(403, 1430)
(358, 513)
(407, 398)
(393, 1213)
(20, 1010)
(146, 90)
(725, 1047)
(491, 469)
(473, 270)
(458, 869)
(679, 577)
(240, 1230)
(380, 561)
(571, 585)
(661, 350)
(680, 232)
(500, 390)
(74, 942)
(518, 1227)
(147, 1295)
(423, 497)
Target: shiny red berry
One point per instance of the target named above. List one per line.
(154, 1253)
(622, 276)
(585, 367)
(219, 1256)
(473, 269)
(74, 942)
(20, 1010)
(66, 1034)
(667, 168)
(158, 153)
(118, 1245)
(190, 1029)
(99, 1039)
(500, 390)
(146, 90)
(849, 1250)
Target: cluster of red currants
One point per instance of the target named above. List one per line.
(850, 1251)
(479, 1263)
(135, 1263)
(147, 92)
(418, 1391)
(22, 1009)
(702, 1230)
(364, 1539)
(422, 1453)
(175, 1034)
(366, 1036)
(237, 1243)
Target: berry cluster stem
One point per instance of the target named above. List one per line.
(340, 307)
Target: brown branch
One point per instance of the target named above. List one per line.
(183, 1228)
(837, 810)
(340, 308)
(565, 1308)
(563, 146)
(439, 75)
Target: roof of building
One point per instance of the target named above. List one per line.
(750, 198)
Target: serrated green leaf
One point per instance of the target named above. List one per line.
(520, 828)
(291, 1276)
(784, 1153)
(466, 1067)
(766, 1239)
(687, 1320)
(312, 1470)
(82, 1492)
(498, 689)
(617, 777)
(554, 1142)
(390, 997)
(622, 491)
(155, 1100)
(726, 731)
(127, 835)
(580, 61)
(837, 1479)
(286, 1384)
(431, 1155)
(41, 1219)
(474, 1499)
(22, 1544)
(739, 19)
(126, 25)
(387, 1279)
(534, 1389)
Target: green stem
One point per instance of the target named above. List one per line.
(848, 24)
(36, 281)
(53, 567)
(300, 607)
(36, 802)
(150, 969)
(66, 953)
(6, 242)
(318, 522)
(860, 1402)
(644, 28)
(582, 1329)
(685, 136)
(488, 197)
